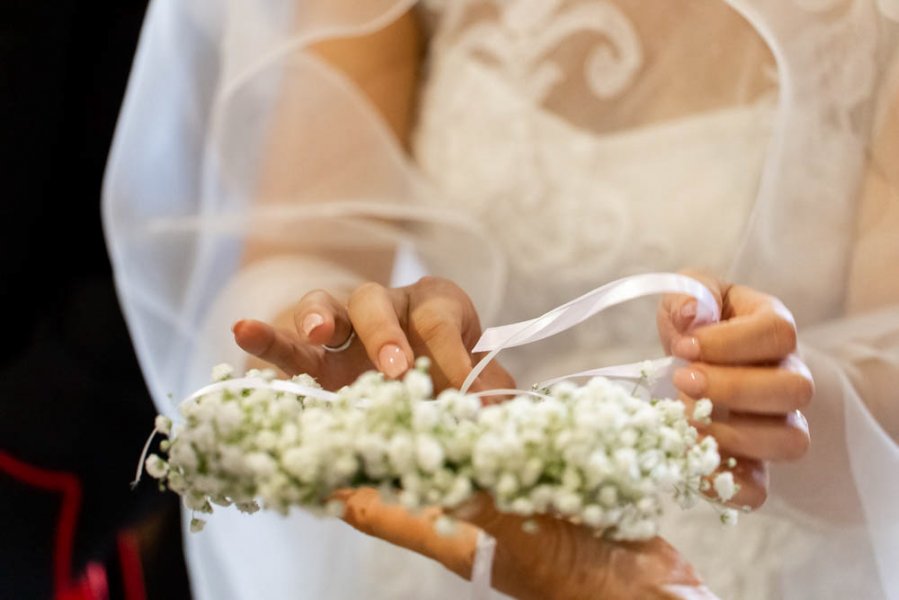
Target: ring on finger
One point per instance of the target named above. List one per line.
(343, 346)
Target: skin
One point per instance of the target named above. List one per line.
(571, 563)
(747, 364)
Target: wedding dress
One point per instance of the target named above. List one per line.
(559, 144)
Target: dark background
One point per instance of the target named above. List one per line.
(72, 399)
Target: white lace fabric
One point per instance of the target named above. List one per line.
(560, 144)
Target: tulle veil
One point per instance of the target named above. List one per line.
(182, 198)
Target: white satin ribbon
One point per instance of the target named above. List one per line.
(647, 369)
(256, 383)
(483, 565)
(564, 317)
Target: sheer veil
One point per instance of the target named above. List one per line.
(186, 192)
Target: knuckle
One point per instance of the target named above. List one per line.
(435, 285)
(357, 515)
(723, 389)
(431, 323)
(366, 290)
(432, 281)
(363, 295)
(783, 335)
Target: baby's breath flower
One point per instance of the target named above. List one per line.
(197, 525)
(163, 424)
(222, 372)
(445, 526)
(530, 526)
(725, 486)
(729, 516)
(702, 411)
(594, 454)
(156, 467)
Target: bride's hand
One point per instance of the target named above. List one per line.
(748, 366)
(560, 560)
(432, 317)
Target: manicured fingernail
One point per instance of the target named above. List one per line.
(686, 315)
(692, 382)
(686, 348)
(392, 361)
(312, 321)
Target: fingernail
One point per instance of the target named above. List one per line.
(692, 382)
(686, 315)
(235, 324)
(686, 348)
(312, 321)
(392, 361)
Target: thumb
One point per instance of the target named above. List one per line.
(675, 317)
(677, 313)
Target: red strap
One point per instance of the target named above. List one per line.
(70, 488)
(132, 572)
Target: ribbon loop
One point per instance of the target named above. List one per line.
(564, 317)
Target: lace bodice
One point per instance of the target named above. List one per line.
(570, 206)
(574, 204)
(595, 138)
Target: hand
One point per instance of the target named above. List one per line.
(560, 560)
(748, 366)
(432, 317)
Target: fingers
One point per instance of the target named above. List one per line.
(774, 438)
(443, 323)
(365, 511)
(322, 319)
(759, 390)
(433, 317)
(276, 347)
(373, 312)
(758, 329)
(752, 477)
(677, 312)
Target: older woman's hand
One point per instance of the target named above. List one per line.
(432, 317)
(559, 560)
(748, 366)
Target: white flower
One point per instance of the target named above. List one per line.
(156, 467)
(183, 456)
(425, 415)
(530, 527)
(163, 425)
(567, 502)
(418, 384)
(702, 411)
(725, 486)
(594, 454)
(197, 525)
(593, 515)
(729, 516)
(400, 452)
(507, 485)
(302, 463)
(428, 453)
(222, 372)
(260, 464)
(522, 506)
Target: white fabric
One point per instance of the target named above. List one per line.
(593, 139)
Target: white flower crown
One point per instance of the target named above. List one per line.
(596, 454)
